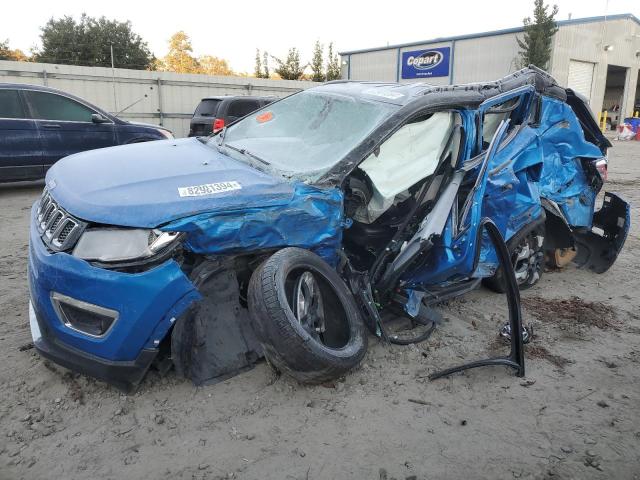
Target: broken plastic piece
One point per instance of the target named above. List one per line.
(515, 359)
(598, 251)
(505, 332)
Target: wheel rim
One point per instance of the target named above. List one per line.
(528, 258)
(308, 307)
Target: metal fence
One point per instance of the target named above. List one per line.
(162, 98)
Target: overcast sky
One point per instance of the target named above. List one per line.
(234, 29)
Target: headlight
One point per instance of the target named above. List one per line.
(119, 244)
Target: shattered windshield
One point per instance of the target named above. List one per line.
(305, 134)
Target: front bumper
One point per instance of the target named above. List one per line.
(125, 375)
(148, 303)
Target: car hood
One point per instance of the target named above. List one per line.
(138, 185)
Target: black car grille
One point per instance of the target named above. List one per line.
(58, 230)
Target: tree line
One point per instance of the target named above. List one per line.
(291, 68)
(95, 42)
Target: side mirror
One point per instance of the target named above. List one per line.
(97, 118)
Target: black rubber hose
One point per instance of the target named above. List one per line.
(419, 339)
(397, 341)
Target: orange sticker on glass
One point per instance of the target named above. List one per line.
(264, 117)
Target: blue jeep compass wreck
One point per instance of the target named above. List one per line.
(296, 227)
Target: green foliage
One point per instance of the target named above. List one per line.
(535, 47)
(317, 67)
(333, 65)
(88, 42)
(265, 66)
(258, 68)
(290, 69)
(262, 65)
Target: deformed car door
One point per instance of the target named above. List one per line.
(512, 193)
(514, 105)
(592, 133)
(436, 230)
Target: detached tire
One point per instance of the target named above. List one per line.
(305, 317)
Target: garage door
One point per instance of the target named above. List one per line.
(581, 77)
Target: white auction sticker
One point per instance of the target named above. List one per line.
(208, 189)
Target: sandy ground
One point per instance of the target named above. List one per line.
(575, 416)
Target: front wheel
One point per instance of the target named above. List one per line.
(528, 263)
(305, 317)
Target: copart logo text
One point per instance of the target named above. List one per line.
(426, 60)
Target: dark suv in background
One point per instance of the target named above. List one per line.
(214, 113)
(40, 125)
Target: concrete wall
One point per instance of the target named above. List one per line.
(163, 98)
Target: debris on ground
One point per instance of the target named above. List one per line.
(572, 311)
(538, 351)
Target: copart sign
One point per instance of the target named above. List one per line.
(433, 62)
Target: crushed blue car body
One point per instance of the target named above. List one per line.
(312, 219)
(200, 215)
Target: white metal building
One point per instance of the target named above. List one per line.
(598, 57)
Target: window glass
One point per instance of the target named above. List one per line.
(511, 109)
(49, 106)
(10, 106)
(207, 108)
(305, 134)
(240, 108)
(407, 157)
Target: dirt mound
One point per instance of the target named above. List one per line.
(538, 351)
(573, 311)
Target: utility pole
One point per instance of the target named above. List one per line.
(113, 78)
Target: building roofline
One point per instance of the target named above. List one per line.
(560, 23)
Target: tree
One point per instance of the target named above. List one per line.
(262, 65)
(20, 56)
(4, 50)
(211, 65)
(535, 47)
(265, 65)
(317, 67)
(290, 69)
(7, 54)
(89, 42)
(180, 58)
(333, 65)
(258, 68)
